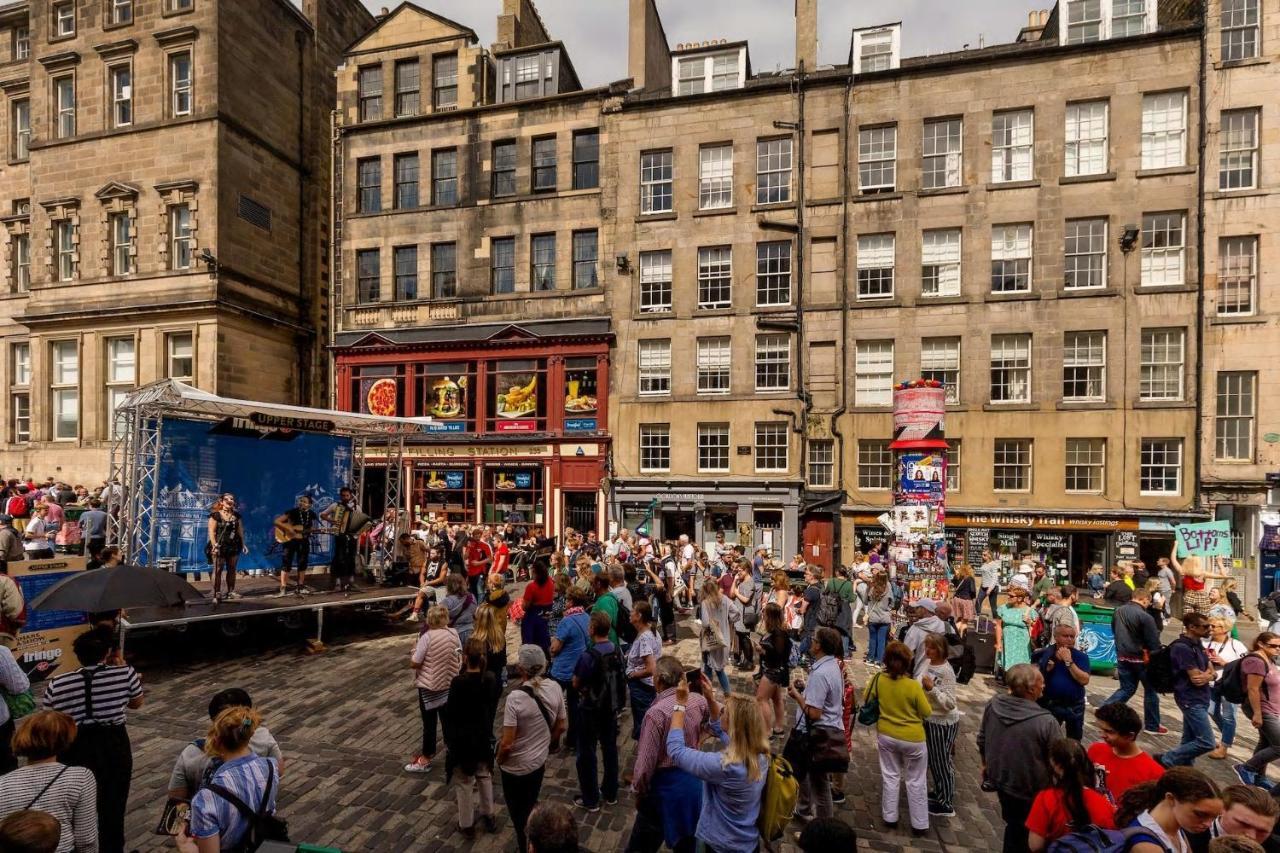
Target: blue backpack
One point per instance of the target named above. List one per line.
(1094, 839)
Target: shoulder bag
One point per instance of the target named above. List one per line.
(869, 712)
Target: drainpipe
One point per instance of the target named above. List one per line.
(1200, 299)
(306, 303)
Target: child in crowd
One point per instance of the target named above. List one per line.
(1118, 754)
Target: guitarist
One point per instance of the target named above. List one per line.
(296, 525)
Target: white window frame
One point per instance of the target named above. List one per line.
(715, 277)
(1013, 138)
(713, 440)
(1164, 130)
(766, 444)
(774, 164)
(715, 177)
(773, 362)
(1238, 136)
(20, 115)
(1241, 33)
(1084, 362)
(875, 465)
(873, 365)
(1087, 136)
(657, 181)
(1164, 249)
(1168, 449)
(20, 392)
(174, 354)
(941, 253)
(655, 282)
(21, 251)
(1235, 416)
(654, 439)
(876, 49)
(1084, 248)
(940, 360)
(121, 243)
(64, 249)
(181, 237)
(653, 361)
(877, 258)
(181, 86)
(878, 157)
(820, 463)
(773, 273)
(1162, 358)
(1012, 257)
(1016, 454)
(64, 104)
(121, 12)
(1237, 294)
(1088, 458)
(942, 153)
(64, 389)
(708, 72)
(1011, 356)
(121, 95)
(955, 447)
(715, 365)
(122, 378)
(1087, 21)
(64, 19)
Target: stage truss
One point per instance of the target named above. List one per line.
(136, 453)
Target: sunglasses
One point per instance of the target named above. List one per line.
(1273, 645)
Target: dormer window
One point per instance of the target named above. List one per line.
(877, 49)
(529, 75)
(1095, 20)
(709, 72)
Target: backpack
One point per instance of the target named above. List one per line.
(778, 802)
(16, 506)
(604, 692)
(1233, 686)
(1160, 672)
(829, 606)
(1093, 839)
(263, 827)
(622, 625)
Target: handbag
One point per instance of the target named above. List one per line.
(19, 704)
(710, 639)
(869, 713)
(827, 746)
(796, 750)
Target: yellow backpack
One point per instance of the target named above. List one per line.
(778, 803)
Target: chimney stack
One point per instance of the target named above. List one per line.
(807, 34)
(519, 25)
(648, 55)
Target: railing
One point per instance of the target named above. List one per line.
(395, 316)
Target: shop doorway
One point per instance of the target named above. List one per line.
(580, 510)
(678, 523)
(1086, 550)
(817, 533)
(1151, 548)
(374, 499)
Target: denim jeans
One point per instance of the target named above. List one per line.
(879, 635)
(1224, 715)
(1197, 737)
(1130, 675)
(1070, 714)
(1268, 748)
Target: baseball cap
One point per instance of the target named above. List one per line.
(531, 657)
(926, 604)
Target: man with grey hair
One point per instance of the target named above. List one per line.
(618, 586)
(1014, 741)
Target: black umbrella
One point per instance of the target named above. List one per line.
(117, 588)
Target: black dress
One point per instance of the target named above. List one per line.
(468, 734)
(226, 534)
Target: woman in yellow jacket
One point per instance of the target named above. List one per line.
(900, 739)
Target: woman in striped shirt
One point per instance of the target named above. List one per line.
(96, 696)
(436, 659)
(66, 793)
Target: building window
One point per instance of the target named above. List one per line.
(181, 240)
(22, 42)
(21, 130)
(1084, 21)
(691, 78)
(407, 87)
(1239, 29)
(1237, 276)
(1086, 254)
(1010, 368)
(1234, 416)
(542, 256)
(121, 244)
(655, 367)
(1128, 18)
(715, 277)
(444, 177)
(875, 266)
(724, 72)
(504, 169)
(1164, 130)
(713, 447)
(544, 164)
(528, 75)
(878, 159)
(1086, 139)
(65, 390)
(121, 95)
(1086, 460)
(179, 5)
(1011, 259)
(444, 271)
(942, 154)
(64, 248)
(715, 177)
(64, 98)
(180, 356)
(369, 85)
(655, 182)
(655, 447)
(771, 447)
(368, 275)
(503, 264)
(873, 373)
(64, 18)
(1012, 140)
(1084, 367)
(773, 171)
(773, 362)
(1238, 160)
(1011, 465)
(821, 463)
(586, 159)
(1163, 248)
(953, 464)
(20, 392)
(1160, 466)
(940, 361)
(773, 273)
(21, 361)
(714, 365)
(21, 249)
(691, 73)
(121, 377)
(406, 176)
(180, 83)
(1162, 359)
(940, 263)
(121, 11)
(444, 81)
(405, 259)
(369, 184)
(875, 51)
(875, 465)
(586, 256)
(655, 281)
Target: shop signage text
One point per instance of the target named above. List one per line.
(264, 419)
(488, 451)
(1047, 522)
(446, 426)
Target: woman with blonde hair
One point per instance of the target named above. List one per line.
(1195, 596)
(965, 591)
(714, 636)
(734, 778)
(245, 776)
(1222, 649)
(436, 659)
(69, 794)
(489, 631)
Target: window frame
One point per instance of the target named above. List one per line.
(1146, 461)
(444, 278)
(1237, 272)
(874, 465)
(1081, 150)
(401, 197)
(64, 386)
(113, 386)
(774, 267)
(1230, 162)
(21, 129)
(715, 176)
(654, 438)
(1230, 412)
(1085, 456)
(368, 288)
(1012, 161)
(441, 85)
(20, 392)
(713, 444)
(874, 279)
(369, 185)
(64, 249)
(771, 168)
(438, 182)
(1010, 261)
(1249, 47)
(403, 91)
(404, 273)
(20, 252)
(542, 177)
(655, 288)
(65, 117)
(820, 456)
(1085, 352)
(941, 262)
(714, 365)
(1158, 247)
(1163, 144)
(772, 360)
(653, 367)
(1015, 455)
(586, 159)
(121, 252)
(502, 265)
(62, 26)
(872, 159)
(657, 181)
(943, 365)
(181, 236)
(504, 162)
(769, 451)
(1016, 352)
(715, 277)
(942, 153)
(1148, 365)
(369, 98)
(542, 262)
(180, 87)
(121, 106)
(873, 372)
(582, 263)
(173, 356)
(1094, 262)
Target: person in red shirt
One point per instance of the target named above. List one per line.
(478, 556)
(1071, 804)
(501, 557)
(1118, 754)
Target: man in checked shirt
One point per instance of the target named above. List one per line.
(668, 800)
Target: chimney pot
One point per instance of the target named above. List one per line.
(806, 34)
(385, 11)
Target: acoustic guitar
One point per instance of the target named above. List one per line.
(294, 532)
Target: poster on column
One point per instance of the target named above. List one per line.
(44, 643)
(921, 477)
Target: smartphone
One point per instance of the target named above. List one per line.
(694, 677)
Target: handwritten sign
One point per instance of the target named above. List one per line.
(1211, 539)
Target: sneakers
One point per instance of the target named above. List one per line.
(490, 823)
(939, 810)
(1219, 752)
(302, 590)
(234, 595)
(418, 765)
(1245, 775)
(611, 801)
(578, 801)
(1158, 730)
(413, 617)
(837, 796)
(282, 593)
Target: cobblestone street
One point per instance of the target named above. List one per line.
(347, 722)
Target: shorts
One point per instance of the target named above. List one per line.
(779, 675)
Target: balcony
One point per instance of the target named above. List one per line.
(398, 315)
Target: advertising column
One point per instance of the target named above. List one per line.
(44, 643)
(917, 520)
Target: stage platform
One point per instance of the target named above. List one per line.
(259, 601)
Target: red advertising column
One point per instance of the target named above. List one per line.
(917, 520)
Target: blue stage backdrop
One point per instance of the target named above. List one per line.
(201, 461)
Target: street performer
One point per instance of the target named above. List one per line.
(294, 529)
(342, 515)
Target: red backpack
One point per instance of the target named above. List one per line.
(17, 506)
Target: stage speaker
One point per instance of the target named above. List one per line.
(983, 645)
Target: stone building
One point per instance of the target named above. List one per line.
(165, 193)
(1238, 428)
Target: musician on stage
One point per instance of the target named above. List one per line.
(295, 526)
(339, 515)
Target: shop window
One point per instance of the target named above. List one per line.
(513, 494)
(720, 519)
(446, 493)
(444, 392)
(517, 396)
(768, 530)
(581, 398)
(378, 390)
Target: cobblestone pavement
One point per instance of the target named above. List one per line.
(347, 721)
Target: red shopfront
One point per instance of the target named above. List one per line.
(520, 426)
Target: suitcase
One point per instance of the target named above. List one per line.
(983, 644)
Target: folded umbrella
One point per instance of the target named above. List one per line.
(117, 588)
